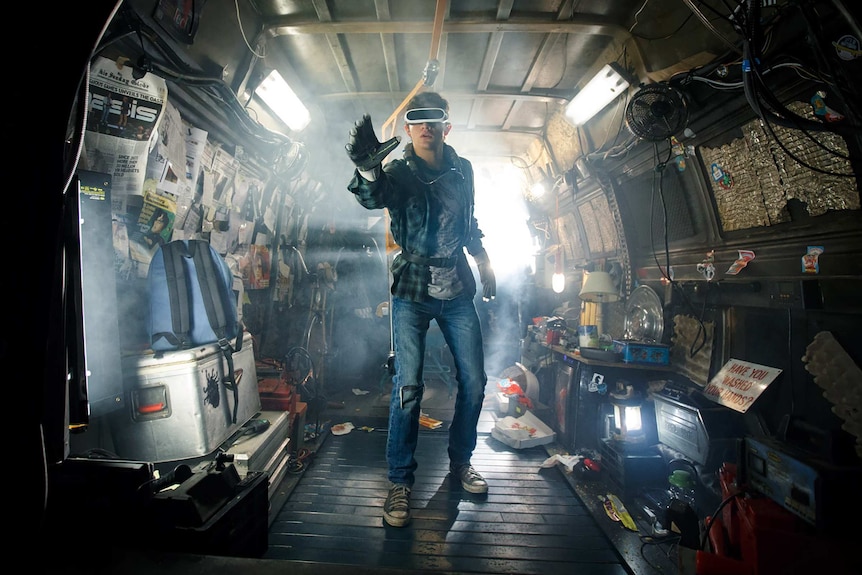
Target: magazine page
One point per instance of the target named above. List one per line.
(256, 268)
(154, 226)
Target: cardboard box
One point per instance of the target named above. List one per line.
(522, 432)
(297, 427)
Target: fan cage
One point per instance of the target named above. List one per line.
(656, 112)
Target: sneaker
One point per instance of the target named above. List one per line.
(396, 510)
(470, 479)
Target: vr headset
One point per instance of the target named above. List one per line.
(425, 115)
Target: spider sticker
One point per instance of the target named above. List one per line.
(211, 394)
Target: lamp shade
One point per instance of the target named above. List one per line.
(599, 287)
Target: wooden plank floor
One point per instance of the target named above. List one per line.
(530, 521)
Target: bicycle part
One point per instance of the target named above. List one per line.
(315, 343)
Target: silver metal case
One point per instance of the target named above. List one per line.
(178, 405)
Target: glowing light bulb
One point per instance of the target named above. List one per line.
(558, 280)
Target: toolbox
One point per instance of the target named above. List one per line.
(213, 512)
(178, 405)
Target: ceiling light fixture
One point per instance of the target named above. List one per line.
(283, 101)
(610, 83)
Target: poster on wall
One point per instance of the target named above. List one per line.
(738, 384)
(123, 117)
(155, 224)
(257, 268)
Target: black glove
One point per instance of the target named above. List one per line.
(363, 147)
(486, 276)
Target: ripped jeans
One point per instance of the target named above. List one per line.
(459, 324)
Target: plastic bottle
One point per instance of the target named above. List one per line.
(682, 487)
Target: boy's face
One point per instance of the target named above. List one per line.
(428, 135)
(159, 223)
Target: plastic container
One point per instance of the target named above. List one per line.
(682, 487)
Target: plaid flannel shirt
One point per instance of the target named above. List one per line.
(406, 193)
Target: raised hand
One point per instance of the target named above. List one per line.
(363, 147)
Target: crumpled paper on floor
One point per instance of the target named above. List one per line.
(341, 428)
(357, 391)
(569, 461)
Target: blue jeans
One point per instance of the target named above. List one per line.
(459, 323)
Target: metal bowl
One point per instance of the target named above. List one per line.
(644, 316)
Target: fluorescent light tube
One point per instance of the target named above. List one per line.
(283, 101)
(605, 86)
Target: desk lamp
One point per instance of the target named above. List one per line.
(598, 288)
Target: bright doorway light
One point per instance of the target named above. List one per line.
(283, 101)
(502, 214)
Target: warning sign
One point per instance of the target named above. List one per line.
(739, 383)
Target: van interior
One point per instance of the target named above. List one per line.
(670, 198)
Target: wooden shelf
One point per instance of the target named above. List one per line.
(616, 364)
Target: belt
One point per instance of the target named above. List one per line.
(435, 262)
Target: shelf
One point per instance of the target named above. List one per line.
(574, 355)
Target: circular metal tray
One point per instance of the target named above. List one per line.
(644, 316)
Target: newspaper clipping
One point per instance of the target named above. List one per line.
(124, 115)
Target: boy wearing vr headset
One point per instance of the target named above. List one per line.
(429, 194)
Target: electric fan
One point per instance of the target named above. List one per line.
(656, 112)
(289, 160)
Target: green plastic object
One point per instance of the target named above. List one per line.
(682, 479)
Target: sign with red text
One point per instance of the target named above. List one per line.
(739, 383)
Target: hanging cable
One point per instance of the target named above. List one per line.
(761, 99)
(242, 32)
(175, 70)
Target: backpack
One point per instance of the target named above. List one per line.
(192, 302)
